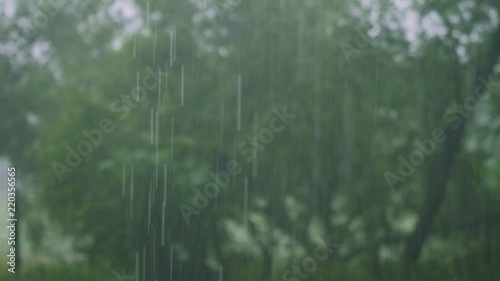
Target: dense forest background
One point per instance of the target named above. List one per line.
(252, 140)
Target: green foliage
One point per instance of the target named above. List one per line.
(360, 99)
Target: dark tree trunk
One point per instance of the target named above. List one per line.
(439, 173)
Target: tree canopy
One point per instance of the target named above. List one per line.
(231, 139)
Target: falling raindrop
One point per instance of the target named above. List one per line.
(300, 45)
(164, 94)
(245, 203)
(238, 126)
(147, 13)
(149, 206)
(171, 261)
(182, 85)
(144, 263)
(254, 158)
(159, 87)
(172, 139)
(220, 273)
(137, 87)
(136, 266)
(172, 46)
(163, 223)
(348, 132)
(165, 183)
(155, 41)
(124, 174)
(152, 125)
(134, 45)
(234, 159)
(153, 199)
(156, 141)
(175, 40)
(154, 250)
(221, 125)
(316, 151)
(131, 191)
